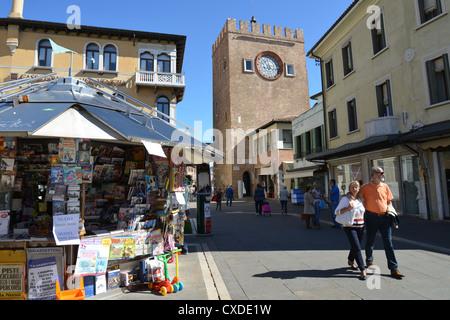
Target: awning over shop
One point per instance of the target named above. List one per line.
(77, 123)
(300, 174)
(349, 149)
(68, 107)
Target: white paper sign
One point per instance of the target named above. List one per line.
(65, 229)
(180, 197)
(42, 275)
(4, 222)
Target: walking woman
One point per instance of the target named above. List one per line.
(354, 231)
(308, 207)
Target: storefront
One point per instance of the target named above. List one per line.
(89, 183)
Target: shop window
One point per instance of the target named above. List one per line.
(110, 58)
(163, 106)
(384, 99)
(164, 63)
(147, 62)
(92, 57)
(390, 168)
(411, 184)
(438, 74)
(346, 173)
(45, 53)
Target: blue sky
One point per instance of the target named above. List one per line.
(201, 22)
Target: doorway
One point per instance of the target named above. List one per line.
(247, 184)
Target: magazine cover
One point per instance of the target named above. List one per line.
(150, 183)
(57, 174)
(67, 150)
(70, 176)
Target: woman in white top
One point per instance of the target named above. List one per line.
(354, 230)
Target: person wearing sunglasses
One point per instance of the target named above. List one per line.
(377, 196)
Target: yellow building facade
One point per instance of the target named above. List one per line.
(144, 65)
(386, 85)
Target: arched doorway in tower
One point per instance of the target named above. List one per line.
(247, 184)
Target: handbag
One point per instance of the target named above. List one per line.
(346, 218)
(323, 205)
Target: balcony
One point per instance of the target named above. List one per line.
(382, 126)
(160, 79)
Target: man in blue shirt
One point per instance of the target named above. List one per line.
(334, 199)
(229, 194)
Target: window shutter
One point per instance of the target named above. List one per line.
(389, 93)
(422, 11)
(432, 82)
(350, 57)
(383, 33)
(439, 6)
(447, 74)
(380, 102)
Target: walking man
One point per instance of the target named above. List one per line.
(334, 199)
(229, 194)
(377, 196)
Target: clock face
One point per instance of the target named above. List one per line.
(268, 65)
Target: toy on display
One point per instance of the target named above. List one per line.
(167, 286)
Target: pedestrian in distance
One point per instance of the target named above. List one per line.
(317, 196)
(308, 207)
(377, 196)
(284, 198)
(229, 194)
(334, 201)
(354, 231)
(218, 196)
(259, 197)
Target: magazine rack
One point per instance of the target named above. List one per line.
(74, 294)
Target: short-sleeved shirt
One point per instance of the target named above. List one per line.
(376, 197)
(334, 196)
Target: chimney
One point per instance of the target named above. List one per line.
(17, 9)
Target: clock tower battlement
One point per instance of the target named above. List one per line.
(254, 28)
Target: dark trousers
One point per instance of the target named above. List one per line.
(374, 223)
(258, 206)
(355, 236)
(283, 205)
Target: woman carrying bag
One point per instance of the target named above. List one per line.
(350, 213)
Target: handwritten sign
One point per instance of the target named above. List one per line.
(65, 229)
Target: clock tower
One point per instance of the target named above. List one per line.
(258, 75)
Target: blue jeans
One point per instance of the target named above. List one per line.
(355, 236)
(283, 205)
(374, 223)
(258, 206)
(317, 212)
(334, 204)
